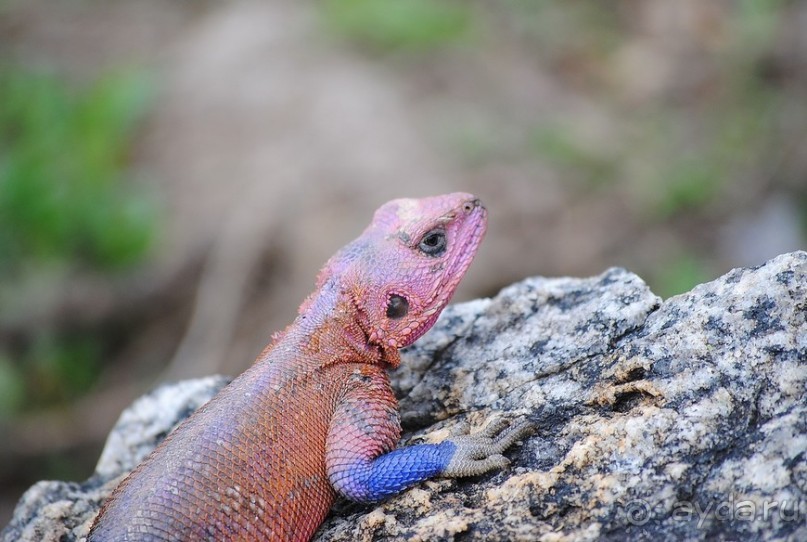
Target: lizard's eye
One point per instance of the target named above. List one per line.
(433, 243)
(397, 307)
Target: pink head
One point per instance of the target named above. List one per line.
(402, 271)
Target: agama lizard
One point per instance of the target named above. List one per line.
(315, 415)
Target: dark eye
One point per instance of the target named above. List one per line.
(433, 243)
(397, 307)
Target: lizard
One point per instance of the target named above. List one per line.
(315, 416)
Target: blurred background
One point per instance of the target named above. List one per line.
(173, 174)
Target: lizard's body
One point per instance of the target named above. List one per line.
(315, 415)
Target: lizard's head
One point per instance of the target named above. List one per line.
(407, 264)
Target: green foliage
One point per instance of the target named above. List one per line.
(63, 154)
(65, 204)
(400, 25)
(61, 368)
(688, 184)
(679, 275)
(756, 21)
(563, 150)
(55, 368)
(11, 387)
(560, 28)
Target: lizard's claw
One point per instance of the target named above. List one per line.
(482, 452)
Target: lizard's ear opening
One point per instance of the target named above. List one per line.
(397, 307)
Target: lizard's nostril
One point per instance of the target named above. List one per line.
(471, 205)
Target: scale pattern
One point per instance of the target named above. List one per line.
(315, 415)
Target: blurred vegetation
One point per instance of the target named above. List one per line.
(677, 156)
(561, 149)
(411, 25)
(63, 154)
(66, 203)
(674, 157)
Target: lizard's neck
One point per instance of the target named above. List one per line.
(326, 332)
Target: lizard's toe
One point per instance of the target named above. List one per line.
(482, 452)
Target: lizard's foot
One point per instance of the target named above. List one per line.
(482, 452)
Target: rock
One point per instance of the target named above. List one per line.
(677, 420)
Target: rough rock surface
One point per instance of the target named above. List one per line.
(676, 420)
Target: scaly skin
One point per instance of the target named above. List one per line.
(315, 415)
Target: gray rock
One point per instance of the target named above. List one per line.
(676, 420)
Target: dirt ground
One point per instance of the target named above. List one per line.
(664, 137)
